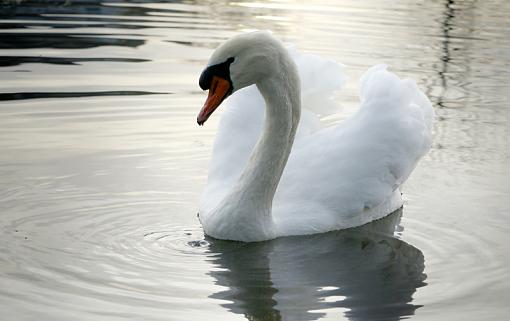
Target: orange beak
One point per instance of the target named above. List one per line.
(219, 90)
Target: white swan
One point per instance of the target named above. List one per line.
(260, 186)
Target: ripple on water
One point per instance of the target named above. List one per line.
(131, 265)
(458, 264)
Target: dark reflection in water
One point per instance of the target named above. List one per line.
(6, 61)
(36, 8)
(40, 13)
(63, 14)
(364, 270)
(60, 25)
(63, 41)
(33, 95)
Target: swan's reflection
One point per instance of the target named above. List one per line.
(364, 270)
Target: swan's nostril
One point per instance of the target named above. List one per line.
(214, 84)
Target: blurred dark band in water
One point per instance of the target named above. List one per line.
(34, 95)
(63, 41)
(32, 8)
(65, 14)
(7, 61)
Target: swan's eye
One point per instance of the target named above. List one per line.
(221, 70)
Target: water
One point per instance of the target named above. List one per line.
(102, 165)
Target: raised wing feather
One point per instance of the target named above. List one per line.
(349, 174)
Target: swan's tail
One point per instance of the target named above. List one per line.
(400, 115)
(377, 83)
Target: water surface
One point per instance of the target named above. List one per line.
(102, 165)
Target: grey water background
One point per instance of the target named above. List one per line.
(102, 165)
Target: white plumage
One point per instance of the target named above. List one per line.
(336, 177)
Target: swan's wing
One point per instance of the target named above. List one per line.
(337, 175)
(243, 116)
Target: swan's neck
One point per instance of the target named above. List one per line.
(249, 203)
(264, 169)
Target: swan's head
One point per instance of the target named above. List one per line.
(241, 61)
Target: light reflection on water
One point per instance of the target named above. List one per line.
(102, 166)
